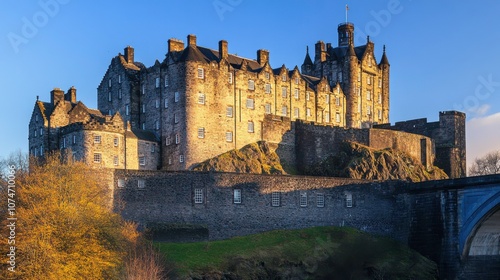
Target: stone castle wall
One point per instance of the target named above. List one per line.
(169, 198)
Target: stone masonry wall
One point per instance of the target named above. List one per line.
(168, 198)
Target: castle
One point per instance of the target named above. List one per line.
(199, 102)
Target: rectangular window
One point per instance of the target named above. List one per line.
(110, 112)
(308, 95)
(119, 79)
(251, 85)
(120, 93)
(181, 158)
(157, 103)
(97, 158)
(144, 108)
(143, 126)
(267, 108)
(380, 114)
(168, 141)
(267, 75)
(201, 132)
(250, 103)
(153, 148)
(74, 139)
(369, 80)
(348, 200)
(157, 125)
(169, 161)
(327, 99)
(166, 81)
(284, 111)
(201, 73)
(109, 82)
(201, 98)
(337, 117)
(296, 93)
(143, 89)
(320, 200)
(115, 160)
(237, 196)
(127, 110)
(177, 139)
(141, 183)
(369, 110)
(296, 81)
(176, 96)
(41, 131)
(64, 142)
(303, 199)
(165, 103)
(276, 199)
(229, 136)
(268, 88)
(121, 183)
(97, 139)
(250, 127)
(368, 95)
(142, 160)
(337, 101)
(296, 112)
(229, 111)
(283, 78)
(157, 82)
(327, 117)
(41, 150)
(176, 118)
(109, 96)
(379, 82)
(198, 196)
(115, 141)
(359, 76)
(284, 92)
(380, 98)
(308, 112)
(230, 77)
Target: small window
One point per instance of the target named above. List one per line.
(368, 95)
(110, 112)
(276, 199)
(379, 114)
(64, 142)
(97, 139)
(115, 141)
(115, 160)
(97, 158)
(142, 160)
(143, 89)
(284, 111)
(369, 110)
(119, 79)
(74, 139)
(230, 77)
(379, 82)
(308, 112)
(229, 136)
(320, 200)
(250, 127)
(157, 82)
(296, 81)
(284, 92)
(229, 111)
(308, 95)
(237, 196)
(157, 125)
(251, 85)
(144, 108)
(250, 103)
(337, 101)
(348, 200)
(121, 183)
(337, 117)
(165, 103)
(127, 110)
(359, 76)
(168, 141)
(181, 158)
(327, 117)
(120, 93)
(141, 183)
(153, 148)
(176, 96)
(177, 139)
(369, 80)
(41, 150)
(380, 98)
(201, 132)
(283, 78)
(268, 88)
(169, 161)
(109, 82)
(176, 118)
(41, 131)
(198, 196)
(327, 99)
(201, 98)
(36, 118)
(267, 108)
(296, 93)
(267, 75)
(296, 113)
(303, 199)
(109, 96)
(157, 103)
(201, 73)
(166, 81)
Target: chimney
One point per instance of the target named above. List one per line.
(129, 54)
(191, 40)
(223, 49)
(71, 95)
(175, 45)
(320, 52)
(56, 95)
(262, 57)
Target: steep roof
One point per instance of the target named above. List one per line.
(384, 59)
(341, 52)
(45, 108)
(307, 59)
(234, 60)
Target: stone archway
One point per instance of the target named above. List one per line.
(486, 239)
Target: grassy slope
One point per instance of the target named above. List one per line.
(308, 253)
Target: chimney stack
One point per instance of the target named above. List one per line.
(56, 95)
(191, 40)
(71, 95)
(175, 45)
(129, 54)
(320, 54)
(262, 57)
(223, 49)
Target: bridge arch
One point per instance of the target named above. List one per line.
(480, 233)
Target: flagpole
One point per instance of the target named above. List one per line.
(346, 9)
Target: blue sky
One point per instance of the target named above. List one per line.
(443, 54)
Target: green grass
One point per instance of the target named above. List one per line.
(336, 248)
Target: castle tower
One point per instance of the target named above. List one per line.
(346, 34)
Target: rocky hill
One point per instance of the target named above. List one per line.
(354, 161)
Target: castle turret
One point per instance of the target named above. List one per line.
(353, 98)
(129, 54)
(346, 34)
(385, 67)
(308, 65)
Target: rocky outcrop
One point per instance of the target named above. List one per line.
(361, 162)
(256, 158)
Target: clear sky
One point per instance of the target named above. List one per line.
(444, 54)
